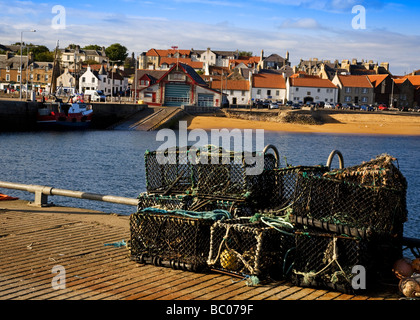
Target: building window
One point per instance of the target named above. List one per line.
(243, 93)
(364, 99)
(308, 93)
(93, 80)
(297, 89)
(7, 68)
(277, 93)
(319, 90)
(268, 92)
(347, 98)
(46, 77)
(83, 79)
(18, 78)
(365, 90)
(259, 91)
(348, 90)
(7, 77)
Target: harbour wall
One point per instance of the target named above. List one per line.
(18, 115)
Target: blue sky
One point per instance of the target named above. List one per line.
(307, 29)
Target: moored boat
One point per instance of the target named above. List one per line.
(71, 115)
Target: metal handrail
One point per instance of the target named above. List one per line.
(42, 193)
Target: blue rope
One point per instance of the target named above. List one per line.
(217, 214)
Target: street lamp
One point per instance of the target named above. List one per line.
(112, 81)
(135, 82)
(20, 78)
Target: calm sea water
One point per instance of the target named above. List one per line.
(112, 162)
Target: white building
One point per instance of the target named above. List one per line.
(268, 86)
(237, 91)
(66, 82)
(95, 80)
(301, 88)
(70, 57)
(214, 58)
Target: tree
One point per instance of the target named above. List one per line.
(116, 51)
(245, 53)
(92, 47)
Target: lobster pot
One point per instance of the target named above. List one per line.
(235, 208)
(176, 239)
(241, 247)
(326, 260)
(227, 176)
(159, 201)
(284, 185)
(168, 171)
(379, 172)
(375, 211)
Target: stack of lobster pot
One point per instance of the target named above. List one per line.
(349, 225)
(187, 191)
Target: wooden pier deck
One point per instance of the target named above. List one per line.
(34, 240)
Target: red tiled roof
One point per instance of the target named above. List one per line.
(193, 64)
(415, 80)
(165, 53)
(268, 80)
(312, 82)
(355, 81)
(242, 85)
(377, 79)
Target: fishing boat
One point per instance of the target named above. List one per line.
(74, 114)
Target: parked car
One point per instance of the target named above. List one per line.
(356, 107)
(366, 107)
(328, 105)
(296, 106)
(383, 107)
(274, 105)
(339, 106)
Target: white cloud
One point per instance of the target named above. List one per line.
(304, 23)
(303, 38)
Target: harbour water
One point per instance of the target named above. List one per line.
(112, 162)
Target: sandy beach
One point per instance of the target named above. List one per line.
(347, 123)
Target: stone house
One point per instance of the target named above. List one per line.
(383, 85)
(403, 94)
(12, 68)
(71, 57)
(40, 76)
(354, 89)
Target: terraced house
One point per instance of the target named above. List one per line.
(354, 89)
(12, 68)
(269, 86)
(302, 88)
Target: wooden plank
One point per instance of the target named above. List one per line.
(36, 239)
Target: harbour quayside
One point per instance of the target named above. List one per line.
(308, 226)
(75, 114)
